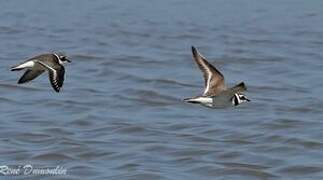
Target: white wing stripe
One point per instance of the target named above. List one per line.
(209, 73)
(209, 77)
(54, 73)
(208, 83)
(44, 64)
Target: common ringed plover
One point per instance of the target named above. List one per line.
(35, 66)
(216, 94)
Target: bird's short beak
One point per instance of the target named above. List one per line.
(69, 61)
(248, 99)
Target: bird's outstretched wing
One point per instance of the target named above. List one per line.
(56, 75)
(213, 78)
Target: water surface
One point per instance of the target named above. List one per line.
(120, 113)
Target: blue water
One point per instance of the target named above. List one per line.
(120, 114)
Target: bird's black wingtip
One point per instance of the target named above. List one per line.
(193, 49)
(56, 90)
